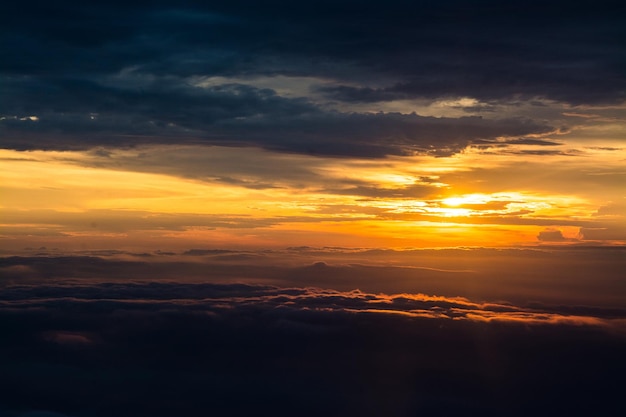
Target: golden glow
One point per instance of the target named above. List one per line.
(282, 200)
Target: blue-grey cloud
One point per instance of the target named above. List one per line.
(112, 73)
(485, 49)
(82, 114)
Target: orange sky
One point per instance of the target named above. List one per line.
(166, 197)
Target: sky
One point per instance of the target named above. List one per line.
(312, 174)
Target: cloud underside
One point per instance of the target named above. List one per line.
(113, 74)
(486, 50)
(233, 115)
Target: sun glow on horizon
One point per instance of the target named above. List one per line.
(467, 199)
(105, 196)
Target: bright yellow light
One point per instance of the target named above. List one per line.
(466, 199)
(453, 201)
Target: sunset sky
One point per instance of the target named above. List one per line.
(432, 161)
(241, 125)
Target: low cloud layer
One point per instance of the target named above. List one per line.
(224, 299)
(162, 349)
(329, 330)
(576, 276)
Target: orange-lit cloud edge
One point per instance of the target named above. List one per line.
(221, 299)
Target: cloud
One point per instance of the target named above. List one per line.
(517, 141)
(153, 62)
(616, 232)
(86, 114)
(121, 221)
(227, 299)
(551, 235)
(556, 276)
(67, 338)
(612, 209)
(163, 347)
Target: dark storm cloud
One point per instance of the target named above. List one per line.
(167, 349)
(486, 48)
(95, 71)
